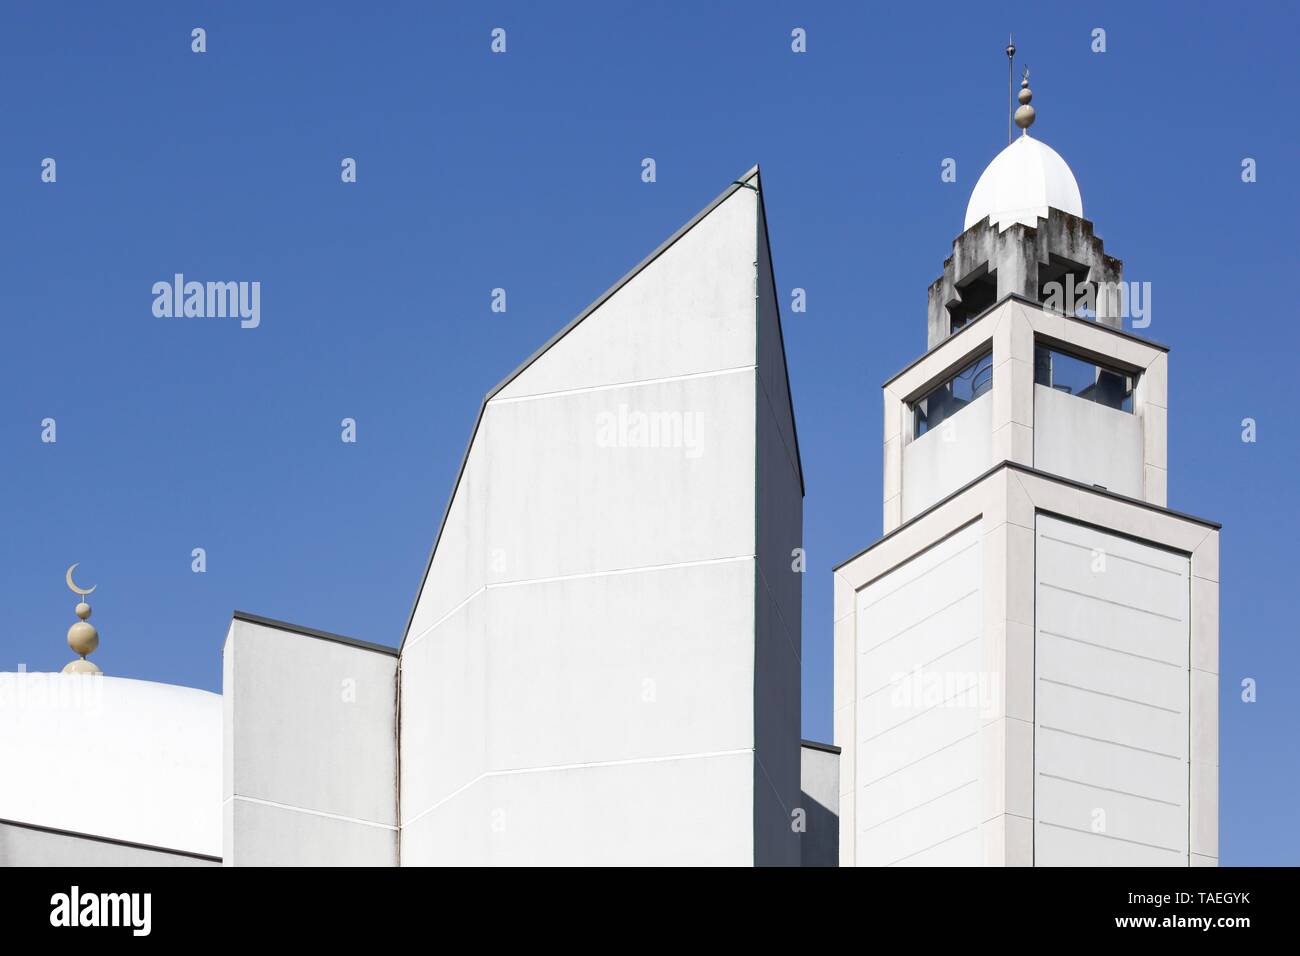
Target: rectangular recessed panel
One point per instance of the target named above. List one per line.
(918, 708)
(1111, 700)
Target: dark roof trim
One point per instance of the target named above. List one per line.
(110, 840)
(1060, 480)
(312, 632)
(1037, 305)
(814, 745)
(631, 274)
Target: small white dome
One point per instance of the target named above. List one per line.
(1021, 183)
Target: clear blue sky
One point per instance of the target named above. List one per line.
(523, 171)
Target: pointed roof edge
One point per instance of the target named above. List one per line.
(740, 183)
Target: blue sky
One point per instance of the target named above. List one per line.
(523, 171)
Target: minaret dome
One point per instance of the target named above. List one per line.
(1021, 183)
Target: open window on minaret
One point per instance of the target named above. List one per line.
(975, 293)
(954, 393)
(1072, 374)
(1063, 287)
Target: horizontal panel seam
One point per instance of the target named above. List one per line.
(636, 383)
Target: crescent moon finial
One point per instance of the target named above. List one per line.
(82, 636)
(72, 586)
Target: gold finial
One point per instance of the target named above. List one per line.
(82, 637)
(1025, 115)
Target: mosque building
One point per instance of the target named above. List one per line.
(602, 664)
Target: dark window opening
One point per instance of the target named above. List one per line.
(953, 394)
(975, 293)
(1083, 379)
(1063, 286)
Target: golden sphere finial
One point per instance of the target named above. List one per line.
(83, 638)
(1025, 115)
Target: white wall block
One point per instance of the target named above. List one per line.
(918, 700)
(641, 813)
(948, 456)
(819, 798)
(1111, 784)
(312, 740)
(1087, 442)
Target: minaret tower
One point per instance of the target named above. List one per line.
(1026, 664)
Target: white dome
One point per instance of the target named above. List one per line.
(111, 757)
(1021, 183)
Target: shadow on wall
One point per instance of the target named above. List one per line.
(819, 844)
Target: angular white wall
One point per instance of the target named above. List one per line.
(602, 663)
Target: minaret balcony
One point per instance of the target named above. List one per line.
(1022, 383)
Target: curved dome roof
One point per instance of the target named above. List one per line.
(1021, 183)
(111, 757)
